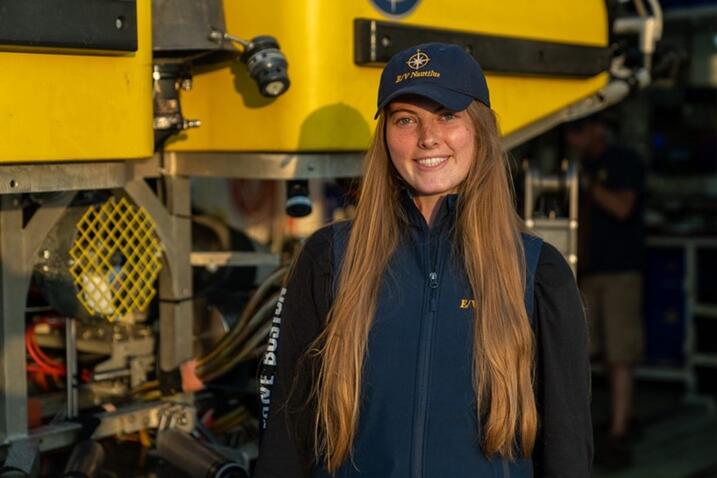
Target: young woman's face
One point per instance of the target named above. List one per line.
(431, 147)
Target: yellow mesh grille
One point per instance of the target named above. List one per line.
(116, 258)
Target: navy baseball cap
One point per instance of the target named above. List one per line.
(442, 72)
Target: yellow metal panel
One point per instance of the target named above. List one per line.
(68, 107)
(331, 102)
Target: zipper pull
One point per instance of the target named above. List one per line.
(433, 280)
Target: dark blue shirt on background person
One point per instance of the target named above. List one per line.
(611, 244)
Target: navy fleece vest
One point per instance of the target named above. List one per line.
(417, 416)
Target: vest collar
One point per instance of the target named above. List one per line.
(446, 209)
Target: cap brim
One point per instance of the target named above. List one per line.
(445, 97)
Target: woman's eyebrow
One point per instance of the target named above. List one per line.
(399, 110)
(443, 109)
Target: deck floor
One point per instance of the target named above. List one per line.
(679, 436)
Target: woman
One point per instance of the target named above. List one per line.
(429, 337)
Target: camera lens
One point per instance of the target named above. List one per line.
(267, 65)
(298, 201)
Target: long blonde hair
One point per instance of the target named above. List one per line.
(488, 233)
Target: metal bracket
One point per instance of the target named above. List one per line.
(129, 419)
(97, 25)
(561, 232)
(175, 280)
(264, 166)
(18, 251)
(376, 42)
(86, 175)
(214, 260)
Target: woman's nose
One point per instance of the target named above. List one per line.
(428, 136)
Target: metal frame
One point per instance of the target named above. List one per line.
(535, 184)
(77, 176)
(129, 419)
(612, 93)
(19, 248)
(20, 245)
(213, 260)
(693, 359)
(277, 166)
(13, 399)
(175, 281)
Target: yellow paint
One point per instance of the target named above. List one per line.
(65, 106)
(331, 102)
(72, 106)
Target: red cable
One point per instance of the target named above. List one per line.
(45, 358)
(45, 363)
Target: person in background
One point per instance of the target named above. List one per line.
(610, 259)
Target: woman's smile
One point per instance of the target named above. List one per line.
(432, 163)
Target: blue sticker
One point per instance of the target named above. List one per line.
(395, 8)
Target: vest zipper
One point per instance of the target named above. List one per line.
(425, 351)
(433, 285)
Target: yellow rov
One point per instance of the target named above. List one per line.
(122, 91)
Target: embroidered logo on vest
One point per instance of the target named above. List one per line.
(468, 304)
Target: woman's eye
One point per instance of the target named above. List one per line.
(404, 121)
(448, 115)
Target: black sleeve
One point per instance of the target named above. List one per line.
(624, 171)
(285, 449)
(564, 448)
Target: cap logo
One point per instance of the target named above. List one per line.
(418, 60)
(395, 8)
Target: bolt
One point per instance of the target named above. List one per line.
(45, 268)
(385, 42)
(46, 254)
(186, 84)
(119, 23)
(216, 35)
